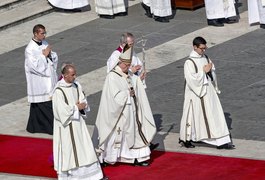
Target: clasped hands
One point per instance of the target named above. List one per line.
(207, 68)
(47, 51)
(81, 105)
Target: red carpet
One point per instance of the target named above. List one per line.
(32, 156)
(28, 156)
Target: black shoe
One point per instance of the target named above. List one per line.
(215, 22)
(226, 146)
(104, 164)
(121, 14)
(104, 178)
(147, 10)
(153, 146)
(73, 10)
(187, 144)
(230, 21)
(144, 163)
(106, 16)
(262, 26)
(161, 19)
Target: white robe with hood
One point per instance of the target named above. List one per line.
(194, 126)
(74, 153)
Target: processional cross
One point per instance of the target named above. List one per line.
(119, 131)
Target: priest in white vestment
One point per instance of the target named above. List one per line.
(40, 68)
(110, 8)
(69, 4)
(125, 123)
(219, 12)
(73, 151)
(256, 12)
(161, 10)
(203, 117)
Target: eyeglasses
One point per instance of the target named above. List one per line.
(43, 33)
(202, 48)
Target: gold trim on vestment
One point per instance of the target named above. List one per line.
(71, 127)
(125, 60)
(205, 118)
(139, 123)
(73, 144)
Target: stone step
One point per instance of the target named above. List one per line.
(13, 12)
(6, 5)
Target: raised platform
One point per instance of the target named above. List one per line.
(187, 4)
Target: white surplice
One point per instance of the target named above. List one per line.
(256, 11)
(69, 4)
(200, 94)
(160, 8)
(216, 9)
(40, 72)
(121, 139)
(74, 153)
(109, 7)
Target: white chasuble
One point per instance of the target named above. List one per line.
(125, 126)
(216, 9)
(203, 117)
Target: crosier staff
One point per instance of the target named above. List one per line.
(143, 40)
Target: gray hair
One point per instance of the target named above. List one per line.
(124, 36)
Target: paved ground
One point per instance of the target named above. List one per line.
(237, 51)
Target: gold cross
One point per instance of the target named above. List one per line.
(119, 131)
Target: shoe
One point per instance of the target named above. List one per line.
(144, 163)
(147, 10)
(161, 19)
(187, 144)
(226, 146)
(73, 10)
(122, 14)
(229, 20)
(104, 164)
(153, 146)
(262, 26)
(104, 178)
(106, 16)
(215, 22)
